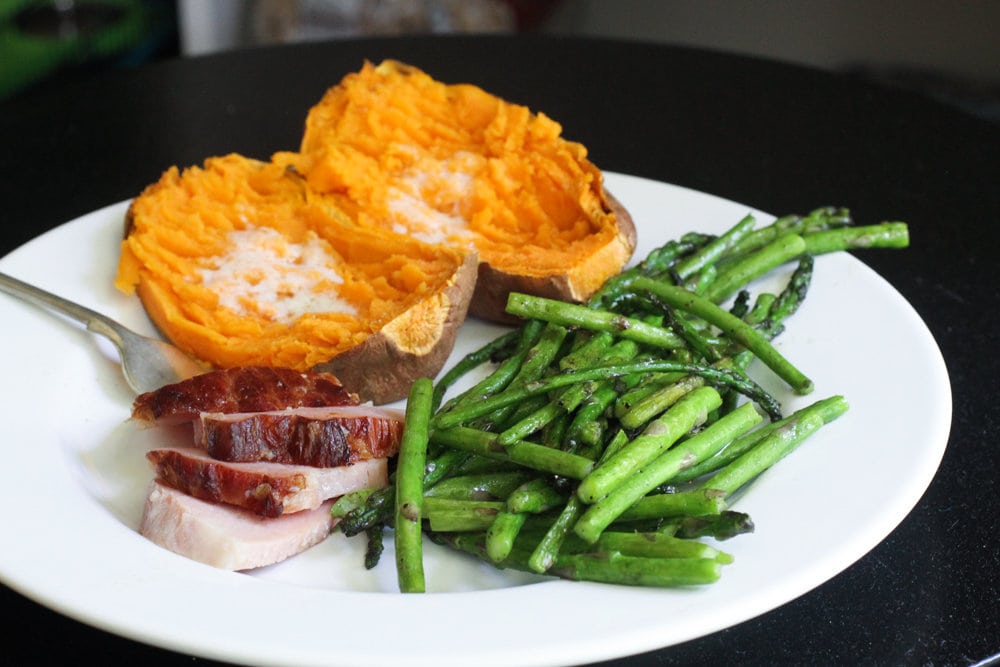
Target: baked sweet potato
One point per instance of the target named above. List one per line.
(453, 164)
(238, 263)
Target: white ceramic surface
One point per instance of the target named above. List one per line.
(75, 469)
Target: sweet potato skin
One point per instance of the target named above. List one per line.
(494, 284)
(382, 368)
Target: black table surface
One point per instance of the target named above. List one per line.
(776, 137)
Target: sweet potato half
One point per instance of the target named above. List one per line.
(409, 204)
(455, 165)
(239, 263)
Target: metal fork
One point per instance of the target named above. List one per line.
(147, 363)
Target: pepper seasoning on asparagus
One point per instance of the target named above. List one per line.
(612, 436)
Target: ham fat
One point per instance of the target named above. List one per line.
(325, 437)
(267, 489)
(244, 389)
(227, 537)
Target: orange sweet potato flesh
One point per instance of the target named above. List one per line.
(453, 164)
(359, 253)
(239, 264)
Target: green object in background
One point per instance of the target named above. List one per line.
(39, 38)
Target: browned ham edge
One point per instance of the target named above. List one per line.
(244, 389)
(267, 489)
(227, 537)
(323, 437)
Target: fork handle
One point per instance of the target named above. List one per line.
(93, 320)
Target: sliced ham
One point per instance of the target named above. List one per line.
(227, 537)
(243, 389)
(272, 448)
(267, 489)
(325, 437)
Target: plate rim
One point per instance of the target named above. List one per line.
(631, 644)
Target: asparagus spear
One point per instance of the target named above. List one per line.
(684, 415)
(504, 373)
(771, 449)
(446, 514)
(615, 568)
(658, 545)
(377, 509)
(884, 235)
(546, 551)
(713, 250)
(501, 534)
(536, 457)
(730, 280)
(410, 487)
(722, 526)
(492, 351)
(491, 485)
(823, 218)
(641, 411)
(373, 551)
(695, 503)
(660, 469)
(734, 327)
(827, 409)
(534, 496)
(608, 567)
(570, 315)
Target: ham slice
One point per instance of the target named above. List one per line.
(243, 389)
(273, 447)
(267, 489)
(325, 437)
(227, 537)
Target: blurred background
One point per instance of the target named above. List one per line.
(947, 49)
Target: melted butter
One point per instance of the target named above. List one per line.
(266, 275)
(425, 198)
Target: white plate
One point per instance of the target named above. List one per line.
(77, 467)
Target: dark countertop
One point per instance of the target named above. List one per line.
(776, 137)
